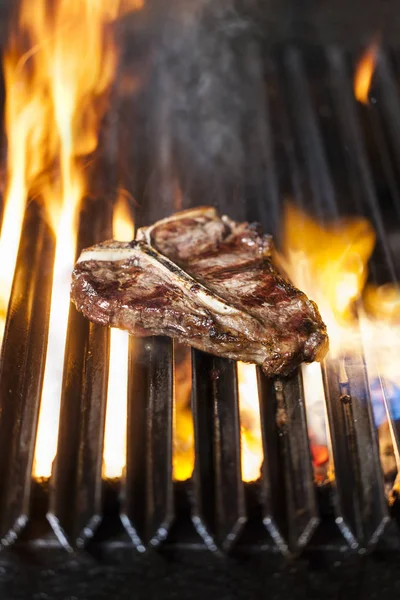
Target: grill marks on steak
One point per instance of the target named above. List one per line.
(233, 260)
(204, 280)
(133, 287)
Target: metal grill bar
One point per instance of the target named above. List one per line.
(75, 492)
(341, 432)
(266, 213)
(373, 509)
(148, 505)
(22, 367)
(359, 167)
(389, 99)
(219, 513)
(297, 159)
(310, 137)
(380, 155)
(361, 510)
(310, 153)
(290, 506)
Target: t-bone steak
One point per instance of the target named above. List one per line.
(204, 280)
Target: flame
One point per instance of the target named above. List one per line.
(383, 302)
(183, 446)
(114, 453)
(250, 424)
(314, 397)
(320, 454)
(250, 430)
(330, 264)
(364, 73)
(183, 454)
(59, 66)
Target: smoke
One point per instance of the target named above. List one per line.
(202, 104)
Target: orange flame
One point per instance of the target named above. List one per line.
(183, 449)
(58, 67)
(383, 302)
(364, 73)
(114, 453)
(250, 430)
(330, 263)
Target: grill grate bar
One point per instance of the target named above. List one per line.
(295, 143)
(290, 510)
(361, 510)
(341, 433)
(389, 100)
(148, 505)
(323, 193)
(203, 513)
(381, 156)
(284, 146)
(219, 513)
(358, 163)
(22, 368)
(306, 126)
(267, 213)
(394, 424)
(312, 184)
(374, 511)
(75, 485)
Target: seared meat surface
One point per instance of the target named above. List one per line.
(204, 280)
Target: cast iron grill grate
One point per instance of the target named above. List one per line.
(326, 152)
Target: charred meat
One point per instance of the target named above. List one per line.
(204, 280)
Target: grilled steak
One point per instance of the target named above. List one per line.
(204, 280)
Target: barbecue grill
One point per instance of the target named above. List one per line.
(78, 534)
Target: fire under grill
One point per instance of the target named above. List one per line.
(328, 154)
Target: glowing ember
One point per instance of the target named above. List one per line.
(114, 454)
(364, 73)
(314, 396)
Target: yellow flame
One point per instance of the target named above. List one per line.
(364, 73)
(183, 446)
(383, 302)
(114, 453)
(25, 125)
(328, 263)
(58, 67)
(183, 455)
(250, 430)
(250, 424)
(123, 224)
(379, 320)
